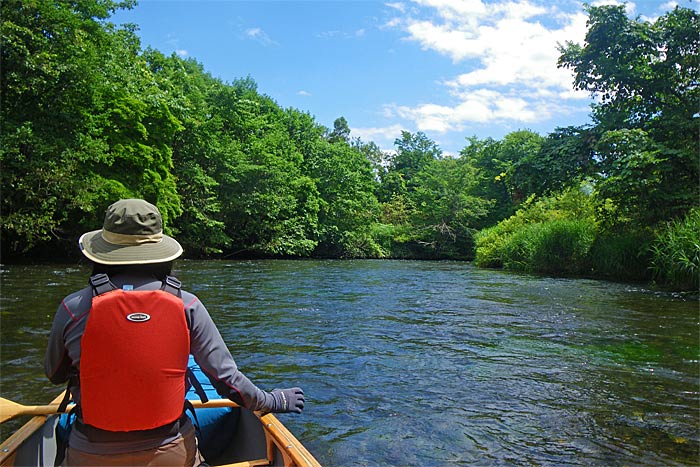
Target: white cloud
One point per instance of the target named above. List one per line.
(181, 52)
(257, 34)
(401, 7)
(668, 6)
(520, 10)
(444, 39)
(630, 7)
(303, 93)
(480, 106)
(383, 136)
(508, 55)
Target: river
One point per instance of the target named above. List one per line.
(408, 363)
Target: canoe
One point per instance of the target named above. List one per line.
(228, 435)
(256, 440)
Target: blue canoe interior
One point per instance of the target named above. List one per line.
(227, 436)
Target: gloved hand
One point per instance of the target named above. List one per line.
(288, 400)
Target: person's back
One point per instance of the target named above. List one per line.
(123, 342)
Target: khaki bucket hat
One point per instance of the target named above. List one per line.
(132, 233)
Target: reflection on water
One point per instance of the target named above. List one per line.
(429, 363)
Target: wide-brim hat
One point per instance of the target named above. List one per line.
(132, 233)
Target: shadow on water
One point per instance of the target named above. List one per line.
(429, 363)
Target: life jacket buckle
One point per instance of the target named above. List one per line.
(101, 284)
(172, 285)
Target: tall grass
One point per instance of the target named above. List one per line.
(555, 247)
(676, 253)
(552, 235)
(621, 255)
(560, 235)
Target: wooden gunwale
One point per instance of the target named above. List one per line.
(8, 449)
(279, 440)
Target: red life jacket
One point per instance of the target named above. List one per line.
(134, 353)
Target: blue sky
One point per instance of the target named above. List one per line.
(449, 68)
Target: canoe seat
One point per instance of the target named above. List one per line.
(253, 463)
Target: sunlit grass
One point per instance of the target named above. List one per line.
(676, 253)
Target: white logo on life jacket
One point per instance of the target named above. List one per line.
(138, 317)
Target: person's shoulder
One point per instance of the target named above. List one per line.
(77, 301)
(190, 299)
(85, 292)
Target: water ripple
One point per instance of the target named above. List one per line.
(410, 363)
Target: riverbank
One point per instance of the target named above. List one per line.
(557, 236)
(566, 236)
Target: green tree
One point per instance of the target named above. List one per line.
(504, 170)
(198, 162)
(341, 131)
(269, 206)
(445, 213)
(377, 158)
(131, 116)
(413, 153)
(82, 120)
(645, 75)
(567, 157)
(349, 207)
(639, 180)
(517, 156)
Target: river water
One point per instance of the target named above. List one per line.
(408, 363)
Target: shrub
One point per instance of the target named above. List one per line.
(490, 247)
(676, 253)
(555, 247)
(520, 241)
(621, 255)
(562, 247)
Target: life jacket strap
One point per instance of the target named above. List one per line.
(66, 399)
(172, 285)
(97, 435)
(101, 284)
(198, 389)
(73, 380)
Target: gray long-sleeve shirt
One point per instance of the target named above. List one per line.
(206, 345)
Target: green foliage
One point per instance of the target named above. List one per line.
(483, 156)
(641, 180)
(560, 235)
(554, 247)
(676, 253)
(88, 117)
(517, 155)
(645, 76)
(506, 172)
(565, 159)
(196, 152)
(55, 56)
(430, 202)
(621, 254)
(346, 185)
(444, 210)
(341, 131)
(563, 222)
(413, 153)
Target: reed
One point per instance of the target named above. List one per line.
(548, 235)
(556, 247)
(676, 253)
(621, 255)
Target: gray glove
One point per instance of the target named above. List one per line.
(287, 400)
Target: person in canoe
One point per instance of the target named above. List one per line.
(122, 345)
